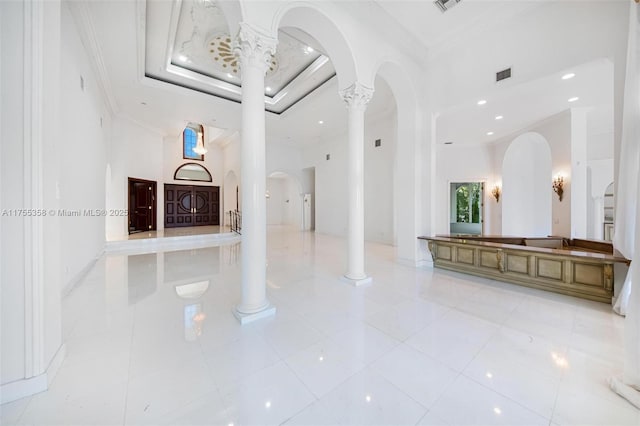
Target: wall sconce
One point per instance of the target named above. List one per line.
(496, 192)
(558, 186)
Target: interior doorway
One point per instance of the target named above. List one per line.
(142, 205)
(467, 208)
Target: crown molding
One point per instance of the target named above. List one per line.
(82, 17)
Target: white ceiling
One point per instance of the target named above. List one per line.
(167, 107)
(531, 102)
(199, 55)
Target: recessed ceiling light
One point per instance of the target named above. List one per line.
(183, 58)
(229, 75)
(575, 98)
(568, 76)
(308, 49)
(482, 102)
(320, 122)
(499, 117)
(489, 133)
(268, 89)
(497, 410)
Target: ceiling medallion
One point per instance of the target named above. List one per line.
(221, 51)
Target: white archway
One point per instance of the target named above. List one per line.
(526, 187)
(407, 173)
(318, 21)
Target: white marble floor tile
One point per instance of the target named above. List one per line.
(104, 405)
(269, 397)
(206, 410)
(492, 304)
(287, 337)
(421, 377)
(469, 403)
(407, 318)
(152, 396)
(529, 351)
(455, 339)
(313, 415)
(545, 316)
(577, 405)
(10, 412)
(364, 343)
(368, 399)
(592, 373)
(430, 419)
(324, 366)
(526, 386)
(414, 347)
(230, 363)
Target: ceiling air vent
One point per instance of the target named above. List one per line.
(501, 75)
(445, 5)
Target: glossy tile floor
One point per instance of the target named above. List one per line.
(178, 232)
(151, 340)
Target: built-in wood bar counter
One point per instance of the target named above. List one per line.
(580, 268)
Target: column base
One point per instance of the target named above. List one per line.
(243, 318)
(357, 282)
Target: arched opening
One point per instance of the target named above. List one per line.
(526, 187)
(406, 175)
(313, 21)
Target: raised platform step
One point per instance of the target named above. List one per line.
(182, 242)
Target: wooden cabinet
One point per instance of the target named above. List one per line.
(191, 205)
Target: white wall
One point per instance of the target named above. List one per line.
(172, 159)
(331, 191)
(231, 163)
(379, 177)
(135, 152)
(275, 202)
(85, 124)
(331, 177)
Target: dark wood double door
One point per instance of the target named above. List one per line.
(191, 205)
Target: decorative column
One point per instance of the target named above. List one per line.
(254, 50)
(356, 97)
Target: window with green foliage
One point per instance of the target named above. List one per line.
(468, 202)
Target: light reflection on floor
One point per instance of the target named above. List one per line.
(151, 340)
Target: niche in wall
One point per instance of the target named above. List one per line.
(526, 187)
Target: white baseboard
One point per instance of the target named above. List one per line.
(26, 387)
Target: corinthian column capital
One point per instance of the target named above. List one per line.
(254, 48)
(357, 95)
